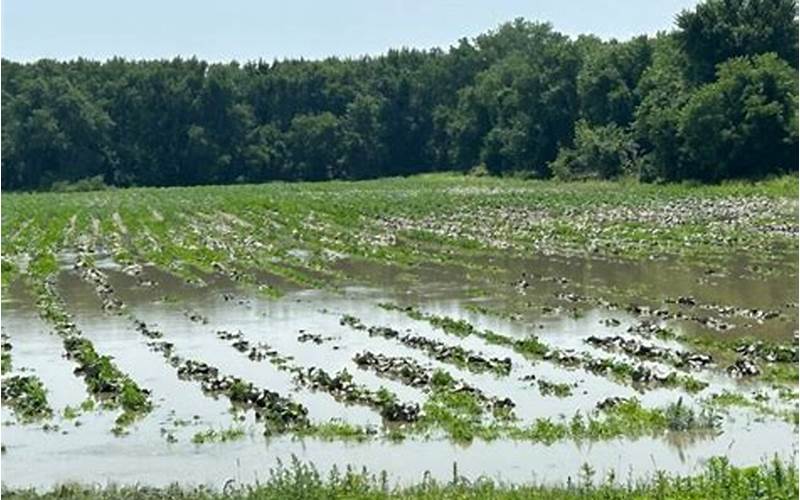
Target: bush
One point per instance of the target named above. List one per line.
(95, 183)
(600, 152)
(479, 170)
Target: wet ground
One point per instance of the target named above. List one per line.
(562, 301)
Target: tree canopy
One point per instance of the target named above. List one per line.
(716, 98)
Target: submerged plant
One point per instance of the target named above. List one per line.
(337, 429)
(5, 365)
(218, 436)
(558, 389)
(27, 396)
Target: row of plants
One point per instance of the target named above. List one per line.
(531, 347)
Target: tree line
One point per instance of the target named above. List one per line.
(715, 98)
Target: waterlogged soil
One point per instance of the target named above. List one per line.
(560, 300)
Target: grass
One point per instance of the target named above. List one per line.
(728, 399)
(300, 481)
(458, 414)
(70, 413)
(338, 430)
(627, 419)
(780, 373)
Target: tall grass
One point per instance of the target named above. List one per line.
(296, 480)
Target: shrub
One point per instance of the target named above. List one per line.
(96, 183)
(600, 152)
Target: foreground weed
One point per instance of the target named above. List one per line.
(297, 480)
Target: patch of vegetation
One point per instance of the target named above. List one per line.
(627, 418)
(458, 413)
(533, 348)
(558, 389)
(758, 403)
(95, 183)
(70, 413)
(780, 373)
(775, 479)
(103, 379)
(106, 381)
(87, 405)
(530, 346)
(27, 396)
(6, 362)
(338, 430)
(218, 436)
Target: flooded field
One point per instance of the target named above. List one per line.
(147, 344)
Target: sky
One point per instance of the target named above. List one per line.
(245, 30)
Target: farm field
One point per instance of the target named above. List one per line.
(435, 325)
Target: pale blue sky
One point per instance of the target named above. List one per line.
(249, 29)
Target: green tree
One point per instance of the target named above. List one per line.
(522, 108)
(265, 155)
(608, 80)
(364, 137)
(745, 123)
(717, 30)
(664, 92)
(315, 143)
(55, 133)
(600, 152)
(509, 98)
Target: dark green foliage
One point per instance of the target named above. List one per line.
(314, 142)
(745, 123)
(664, 92)
(524, 104)
(600, 152)
(717, 30)
(508, 100)
(95, 183)
(607, 82)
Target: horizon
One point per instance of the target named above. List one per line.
(37, 30)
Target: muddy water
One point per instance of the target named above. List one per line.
(91, 453)
(132, 460)
(738, 284)
(36, 349)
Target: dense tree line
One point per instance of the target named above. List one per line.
(716, 98)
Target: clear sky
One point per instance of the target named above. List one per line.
(222, 30)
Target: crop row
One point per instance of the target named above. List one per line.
(532, 347)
